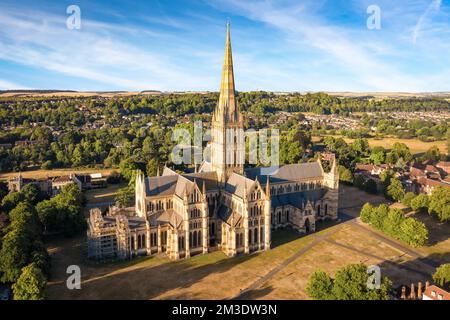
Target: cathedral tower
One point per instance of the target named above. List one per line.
(227, 130)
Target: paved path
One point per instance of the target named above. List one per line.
(258, 283)
(397, 265)
(395, 244)
(428, 263)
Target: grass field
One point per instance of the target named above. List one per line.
(215, 276)
(41, 174)
(103, 195)
(416, 146)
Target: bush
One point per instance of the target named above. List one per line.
(345, 175)
(31, 284)
(413, 232)
(366, 213)
(421, 202)
(408, 198)
(350, 283)
(320, 286)
(442, 276)
(395, 191)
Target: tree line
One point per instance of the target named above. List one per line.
(394, 223)
(26, 218)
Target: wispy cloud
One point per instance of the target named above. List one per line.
(432, 9)
(349, 48)
(97, 52)
(8, 85)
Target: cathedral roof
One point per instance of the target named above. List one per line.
(210, 179)
(168, 216)
(229, 216)
(237, 183)
(290, 172)
(161, 186)
(297, 199)
(176, 184)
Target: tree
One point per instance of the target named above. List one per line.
(32, 193)
(3, 190)
(152, 167)
(361, 146)
(24, 218)
(63, 213)
(350, 283)
(408, 198)
(395, 190)
(11, 200)
(345, 175)
(413, 232)
(440, 203)
(442, 276)
(421, 202)
(366, 213)
(128, 168)
(124, 197)
(320, 286)
(391, 225)
(385, 177)
(378, 216)
(30, 285)
(48, 215)
(14, 255)
(378, 155)
(433, 154)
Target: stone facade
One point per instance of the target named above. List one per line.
(224, 206)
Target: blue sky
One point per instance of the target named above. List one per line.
(309, 45)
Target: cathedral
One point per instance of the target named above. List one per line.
(223, 206)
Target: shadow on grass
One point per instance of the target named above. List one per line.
(152, 281)
(288, 234)
(256, 293)
(438, 231)
(413, 271)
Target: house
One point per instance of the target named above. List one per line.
(435, 293)
(98, 181)
(16, 184)
(82, 181)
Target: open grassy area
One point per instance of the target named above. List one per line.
(104, 194)
(215, 276)
(348, 245)
(415, 145)
(157, 277)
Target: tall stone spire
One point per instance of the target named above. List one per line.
(227, 130)
(227, 109)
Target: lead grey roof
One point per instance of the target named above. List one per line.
(166, 217)
(297, 199)
(227, 215)
(161, 186)
(237, 183)
(290, 172)
(210, 179)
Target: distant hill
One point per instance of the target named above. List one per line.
(73, 93)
